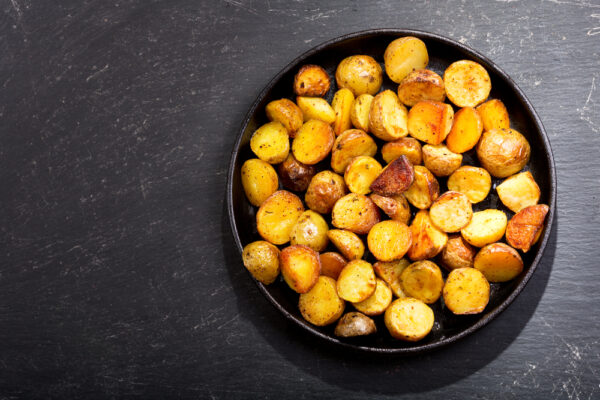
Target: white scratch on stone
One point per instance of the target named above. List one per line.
(587, 109)
(595, 30)
(95, 74)
(242, 6)
(17, 8)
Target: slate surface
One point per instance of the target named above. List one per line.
(118, 273)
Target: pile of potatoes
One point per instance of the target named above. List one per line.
(339, 190)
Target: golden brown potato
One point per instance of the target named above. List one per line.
(271, 143)
(519, 191)
(300, 267)
(342, 105)
(259, 180)
(487, 226)
(466, 130)
(525, 227)
(474, 182)
(467, 83)
(356, 281)
(316, 108)
(466, 291)
(440, 160)
(287, 113)
(311, 230)
(332, 264)
(360, 174)
(422, 280)
(409, 319)
(451, 212)
(348, 243)
(359, 114)
(430, 121)
(355, 324)
(360, 73)
(406, 146)
(389, 240)
(421, 85)
(395, 178)
(321, 305)
(277, 216)
(388, 117)
(390, 273)
(356, 213)
(311, 80)
(377, 303)
(396, 207)
(404, 55)
(498, 262)
(351, 143)
(503, 152)
(424, 189)
(324, 190)
(262, 260)
(295, 175)
(494, 115)
(313, 142)
(457, 253)
(427, 240)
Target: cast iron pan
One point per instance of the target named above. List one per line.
(442, 51)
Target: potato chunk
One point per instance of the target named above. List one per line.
(332, 264)
(300, 267)
(316, 108)
(427, 240)
(356, 281)
(421, 85)
(360, 174)
(360, 73)
(494, 115)
(348, 243)
(467, 83)
(295, 175)
(259, 180)
(404, 55)
(313, 142)
(287, 113)
(474, 182)
(466, 130)
(409, 319)
(271, 143)
(466, 291)
(424, 189)
(487, 226)
(376, 303)
(389, 240)
(324, 190)
(396, 207)
(311, 230)
(388, 117)
(451, 212)
(311, 80)
(525, 227)
(277, 216)
(356, 213)
(321, 305)
(359, 114)
(406, 146)
(503, 152)
(457, 253)
(354, 324)
(519, 191)
(422, 280)
(390, 273)
(351, 143)
(498, 262)
(430, 121)
(440, 160)
(342, 105)
(262, 260)
(395, 178)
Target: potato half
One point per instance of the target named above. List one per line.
(360, 174)
(321, 305)
(313, 142)
(271, 143)
(342, 105)
(277, 216)
(422, 280)
(295, 175)
(451, 212)
(395, 178)
(388, 117)
(259, 180)
(406, 146)
(503, 152)
(356, 281)
(396, 207)
(430, 121)
(376, 303)
(390, 273)
(474, 182)
(389, 240)
(440, 160)
(424, 189)
(361, 74)
(356, 213)
(332, 264)
(427, 240)
(519, 191)
(404, 55)
(324, 190)
(525, 227)
(494, 115)
(316, 108)
(262, 260)
(311, 230)
(498, 262)
(311, 80)
(466, 130)
(487, 226)
(351, 143)
(300, 267)
(421, 85)
(359, 114)
(348, 243)
(354, 324)
(457, 253)
(466, 291)
(409, 319)
(287, 113)
(467, 83)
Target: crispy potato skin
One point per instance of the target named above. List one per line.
(494, 115)
(313, 142)
(359, 114)
(395, 178)
(466, 291)
(271, 143)
(466, 130)
(422, 280)
(316, 108)
(388, 117)
(295, 175)
(377, 303)
(409, 319)
(324, 190)
(311, 230)
(474, 182)
(356, 213)
(467, 83)
(332, 264)
(300, 267)
(430, 121)
(498, 262)
(451, 212)
(356, 281)
(262, 260)
(390, 273)
(440, 160)
(351, 143)
(424, 189)
(519, 191)
(360, 174)
(487, 226)
(348, 243)
(503, 152)
(389, 240)
(404, 55)
(259, 180)
(395, 207)
(355, 324)
(407, 146)
(287, 113)
(420, 85)
(342, 106)
(321, 305)
(428, 241)
(277, 216)
(311, 80)
(361, 74)
(457, 253)
(524, 228)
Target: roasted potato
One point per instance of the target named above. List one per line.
(467, 83)
(356, 213)
(404, 55)
(356, 281)
(300, 267)
(360, 73)
(311, 230)
(451, 212)
(316, 108)
(360, 174)
(313, 142)
(396, 207)
(389, 240)
(287, 113)
(342, 105)
(430, 121)
(348, 243)
(466, 130)
(259, 180)
(424, 189)
(427, 240)
(406, 146)
(359, 114)
(277, 216)
(409, 319)
(474, 182)
(324, 190)
(262, 260)
(503, 152)
(498, 262)
(422, 280)
(295, 175)
(271, 143)
(466, 291)
(376, 303)
(395, 178)
(457, 253)
(351, 143)
(354, 324)
(525, 227)
(388, 117)
(494, 115)
(440, 160)
(311, 81)
(487, 226)
(332, 264)
(421, 85)
(390, 273)
(519, 191)
(321, 305)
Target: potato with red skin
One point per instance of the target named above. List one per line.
(407, 146)
(324, 190)
(311, 80)
(300, 267)
(294, 175)
(395, 178)
(356, 213)
(525, 227)
(396, 207)
(287, 113)
(332, 264)
(457, 253)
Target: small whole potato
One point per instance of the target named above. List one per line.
(356, 213)
(262, 260)
(388, 117)
(313, 142)
(321, 305)
(311, 230)
(324, 190)
(409, 319)
(361, 74)
(503, 152)
(351, 143)
(457, 253)
(421, 85)
(406, 146)
(311, 80)
(498, 262)
(271, 143)
(295, 175)
(354, 324)
(389, 240)
(404, 55)
(356, 281)
(259, 180)
(359, 113)
(440, 160)
(300, 267)
(287, 113)
(277, 216)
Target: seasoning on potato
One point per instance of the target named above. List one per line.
(356, 281)
(376, 303)
(332, 264)
(300, 267)
(457, 253)
(525, 227)
(311, 230)
(316, 108)
(359, 113)
(277, 216)
(427, 240)
(348, 243)
(271, 143)
(389, 240)
(404, 55)
(311, 80)
(421, 85)
(424, 189)
(474, 182)
(324, 190)
(361, 74)
(295, 175)
(440, 160)
(494, 115)
(467, 83)
(354, 324)
(422, 280)
(390, 273)
(262, 260)
(395, 178)
(406, 146)
(313, 142)
(466, 130)
(356, 213)
(259, 180)
(287, 113)
(321, 305)
(487, 226)
(451, 211)
(498, 262)
(388, 117)
(519, 191)
(342, 106)
(409, 319)
(466, 291)
(396, 207)
(360, 174)
(351, 143)
(503, 152)
(430, 121)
